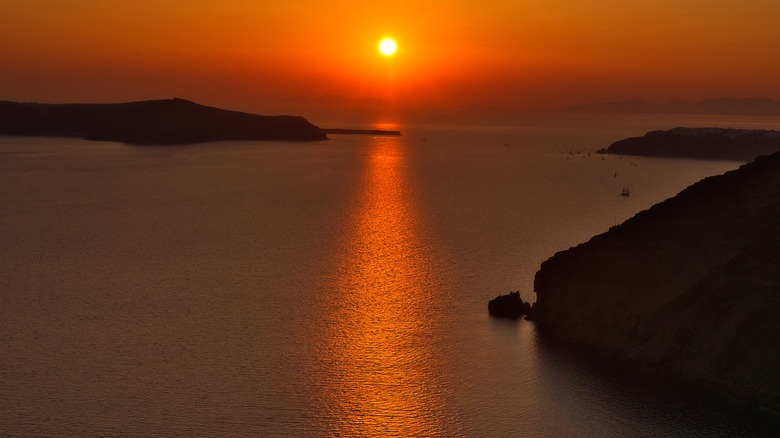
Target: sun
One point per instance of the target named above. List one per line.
(388, 47)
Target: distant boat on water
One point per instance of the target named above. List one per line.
(625, 191)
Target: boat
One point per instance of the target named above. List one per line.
(625, 192)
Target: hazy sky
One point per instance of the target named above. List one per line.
(256, 55)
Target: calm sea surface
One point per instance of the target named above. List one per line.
(335, 288)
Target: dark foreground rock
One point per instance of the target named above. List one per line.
(508, 306)
(705, 143)
(689, 287)
(151, 122)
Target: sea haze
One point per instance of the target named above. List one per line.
(327, 288)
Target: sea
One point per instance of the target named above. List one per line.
(325, 289)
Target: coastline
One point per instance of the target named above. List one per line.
(684, 287)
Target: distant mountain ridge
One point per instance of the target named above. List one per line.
(166, 121)
(718, 106)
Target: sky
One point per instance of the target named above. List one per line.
(265, 56)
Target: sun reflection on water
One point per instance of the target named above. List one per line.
(383, 376)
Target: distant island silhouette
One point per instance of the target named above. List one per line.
(690, 287)
(151, 122)
(718, 106)
(170, 121)
(361, 131)
(706, 143)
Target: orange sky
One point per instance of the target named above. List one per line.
(250, 55)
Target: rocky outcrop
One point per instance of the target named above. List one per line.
(508, 306)
(706, 143)
(151, 122)
(690, 286)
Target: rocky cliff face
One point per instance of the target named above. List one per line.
(690, 286)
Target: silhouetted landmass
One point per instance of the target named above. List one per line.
(151, 122)
(508, 306)
(719, 106)
(361, 131)
(689, 287)
(706, 143)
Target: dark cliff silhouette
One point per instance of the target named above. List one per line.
(690, 287)
(151, 122)
(706, 143)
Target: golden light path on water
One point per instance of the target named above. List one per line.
(382, 374)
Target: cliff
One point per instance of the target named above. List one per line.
(706, 143)
(690, 287)
(150, 122)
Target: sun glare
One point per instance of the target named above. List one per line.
(388, 47)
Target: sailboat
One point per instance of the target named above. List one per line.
(625, 191)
